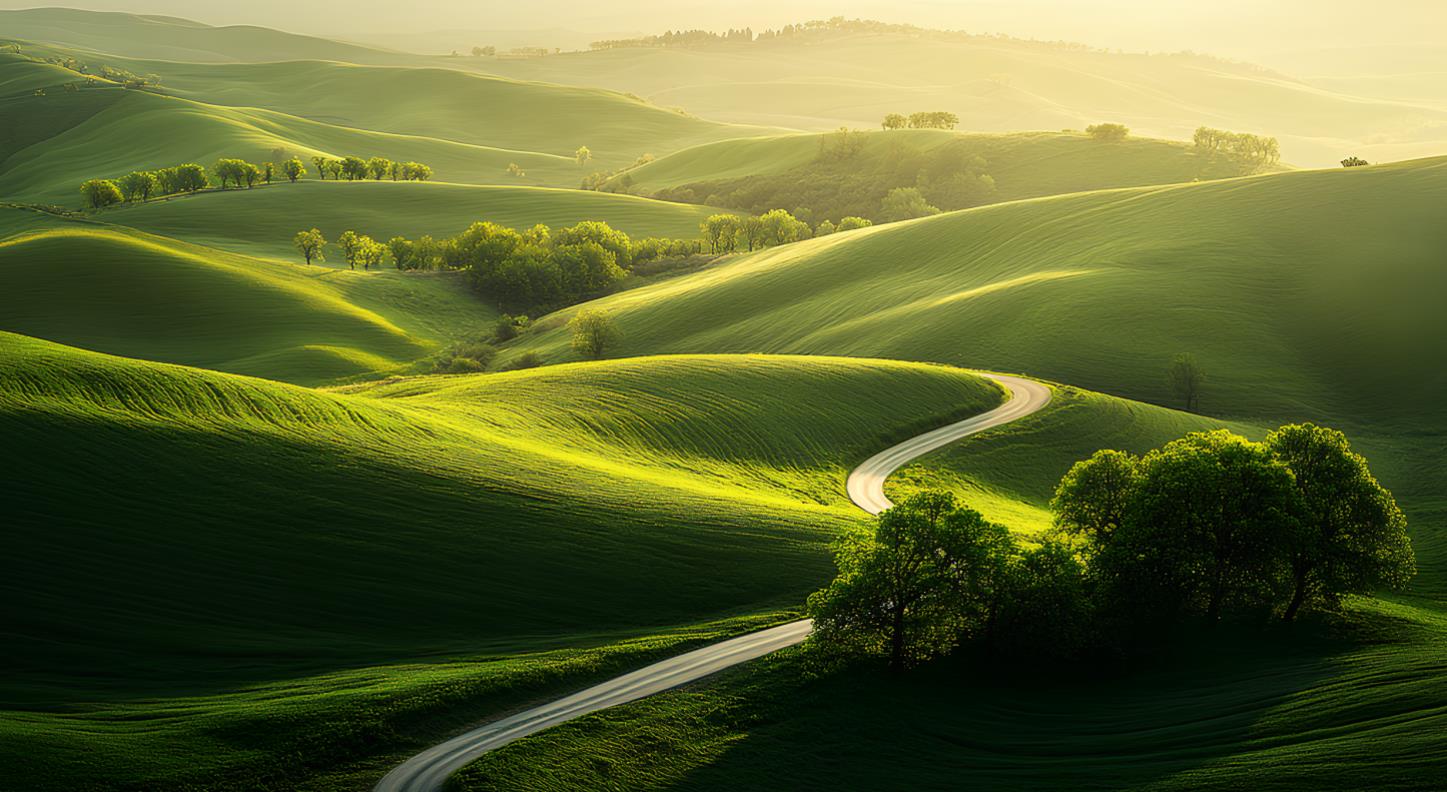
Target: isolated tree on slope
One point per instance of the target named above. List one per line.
(1352, 538)
(594, 333)
(1186, 380)
(310, 244)
(895, 121)
(583, 155)
(350, 242)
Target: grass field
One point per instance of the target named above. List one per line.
(171, 38)
(262, 221)
(1345, 704)
(129, 293)
(275, 544)
(1024, 165)
(1301, 294)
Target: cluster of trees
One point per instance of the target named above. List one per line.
(1253, 152)
(899, 179)
(938, 119)
(232, 172)
(480, 52)
(1108, 133)
(144, 185)
(1354, 162)
(677, 38)
(812, 30)
(377, 168)
(1207, 528)
(521, 270)
(123, 77)
(727, 233)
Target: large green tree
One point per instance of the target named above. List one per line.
(310, 244)
(1206, 531)
(929, 575)
(594, 333)
(1353, 537)
(1093, 497)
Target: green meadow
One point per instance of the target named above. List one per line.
(305, 543)
(254, 542)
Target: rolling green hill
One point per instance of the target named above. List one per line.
(998, 85)
(262, 221)
(251, 559)
(1024, 165)
(1300, 294)
(171, 38)
(811, 175)
(134, 294)
(64, 138)
(1345, 705)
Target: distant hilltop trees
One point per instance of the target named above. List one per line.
(936, 119)
(814, 30)
(1253, 152)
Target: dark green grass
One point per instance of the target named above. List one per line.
(1341, 702)
(221, 582)
(1350, 706)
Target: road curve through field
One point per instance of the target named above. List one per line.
(428, 771)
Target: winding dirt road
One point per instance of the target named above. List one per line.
(428, 771)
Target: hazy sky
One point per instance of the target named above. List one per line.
(1240, 28)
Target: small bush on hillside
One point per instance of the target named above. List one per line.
(526, 360)
(1108, 133)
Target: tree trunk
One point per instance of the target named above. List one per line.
(896, 640)
(1298, 596)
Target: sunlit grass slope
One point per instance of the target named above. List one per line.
(62, 139)
(239, 581)
(171, 38)
(1023, 165)
(133, 294)
(452, 105)
(1350, 706)
(262, 221)
(1305, 294)
(999, 85)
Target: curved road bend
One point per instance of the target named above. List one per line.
(429, 770)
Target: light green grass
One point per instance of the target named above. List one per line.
(1023, 165)
(1304, 294)
(281, 580)
(999, 85)
(133, 294)
(63, 139)
(261, 221)
(171, 38)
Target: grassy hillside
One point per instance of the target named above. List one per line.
(451, 105)
(999, 85)
(1024, 165)
(134, 294)
(275, 545)
(64, 138)
(811, 175)
(1301, 294)
(1346, 705)
(262, 221)
(171, 38)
